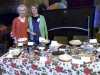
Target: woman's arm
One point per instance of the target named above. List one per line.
(32, 33)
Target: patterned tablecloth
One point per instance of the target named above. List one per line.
(26, 66)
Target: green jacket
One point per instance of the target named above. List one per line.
(42, 27)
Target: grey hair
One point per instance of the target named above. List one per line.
(20, 6)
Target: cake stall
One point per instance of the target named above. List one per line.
(75, 58)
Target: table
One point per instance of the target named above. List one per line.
(45, 66)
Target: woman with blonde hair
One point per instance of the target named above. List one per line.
(20, 24)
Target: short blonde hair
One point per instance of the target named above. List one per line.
(21, 6)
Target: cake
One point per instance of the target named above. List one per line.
(75, 42)
(65, 57)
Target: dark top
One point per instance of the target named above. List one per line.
(35, 22)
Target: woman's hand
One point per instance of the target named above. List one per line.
(33, 33)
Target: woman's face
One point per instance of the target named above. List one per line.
(34, 10)
(22, 11)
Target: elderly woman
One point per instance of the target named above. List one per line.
(37, 25)
(20, 24)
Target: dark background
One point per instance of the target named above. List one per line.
(75, 15)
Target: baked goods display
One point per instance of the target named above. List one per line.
(63, 53)
(57, 57)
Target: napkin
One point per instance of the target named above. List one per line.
(59, 69)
